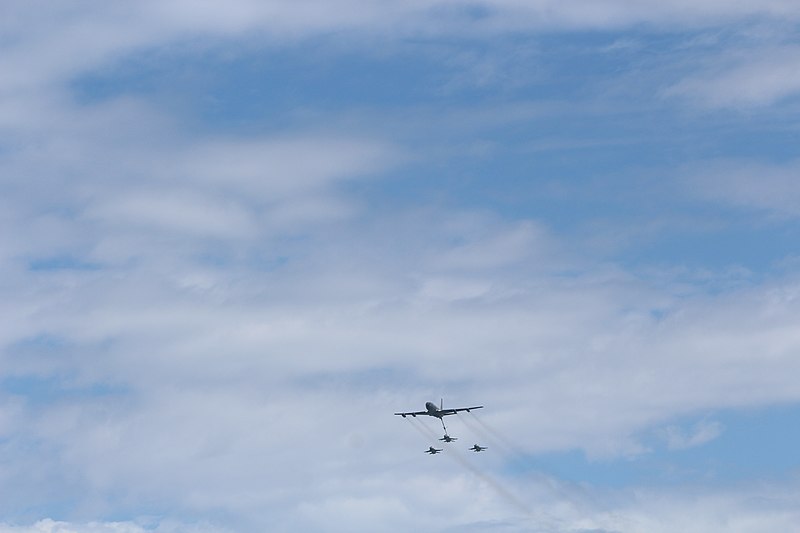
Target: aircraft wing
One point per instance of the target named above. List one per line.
(459, 409)
(415, 413)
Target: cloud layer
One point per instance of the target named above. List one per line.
(211, 325)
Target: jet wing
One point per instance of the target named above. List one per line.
(459, 409)
(415, 413)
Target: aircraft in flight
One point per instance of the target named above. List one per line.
(438, 412)
(433, 451)
(477, 448)
(448, 438)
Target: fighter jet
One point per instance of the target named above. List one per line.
(477, 448)
(448, 438)
(432, 450)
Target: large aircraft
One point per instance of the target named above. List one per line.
(433, 451)
(477, 448)
(438, 412)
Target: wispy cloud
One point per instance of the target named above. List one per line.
(53, 526)
(258, 304)
(67, 39)
(701, 433)
(759, 79)
(773, 189)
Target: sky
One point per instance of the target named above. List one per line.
(236, 237)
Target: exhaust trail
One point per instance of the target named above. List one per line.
(421, 429)
(510, 454)
(498, 436)
(514, 454)
(501, 491)
(427, 430)
(452, 452)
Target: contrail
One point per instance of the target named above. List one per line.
(427, 430)
(501, 490)
(498, 437)
(421, 429)
(510, 454)
(451, 451)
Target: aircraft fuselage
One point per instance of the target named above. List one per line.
(433, 410)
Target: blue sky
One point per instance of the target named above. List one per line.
(236, 238)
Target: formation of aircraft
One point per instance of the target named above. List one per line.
(440, 412)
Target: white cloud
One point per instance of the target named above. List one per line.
(423, 502)
(49, 43)
(476, 248)
(773, 189)
(701, 433)
(745, 511)
(238, 345)
(85, 188)
(277, 168)
(761, 78)
(53, 526)
(186, 213)
(244, 392)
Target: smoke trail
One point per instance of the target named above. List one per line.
(452, 452)
(421, 429)
(511, 455)
(498, 437)
(490, 481)
(427, 430)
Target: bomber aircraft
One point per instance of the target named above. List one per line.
(477, 448)
(433, 451)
